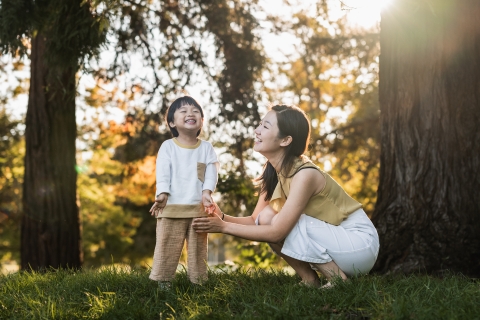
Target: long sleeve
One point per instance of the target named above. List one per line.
(211, 172)
(163, 170)
(211, 177)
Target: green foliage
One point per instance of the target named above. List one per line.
(12, 150)
(335, 71)
(257, 254)
(356, 150)
(15, 24)
(115, 197)
(73, 29)
(239, 194)
(115, 293)
(108, 228)
(234, 26)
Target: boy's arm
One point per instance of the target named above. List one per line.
(211, 177)
(163, 170)
(211, 171)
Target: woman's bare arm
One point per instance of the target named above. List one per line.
(305, 184)
(250, 220)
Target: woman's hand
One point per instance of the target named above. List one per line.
(211, 224)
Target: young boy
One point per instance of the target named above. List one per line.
(186, 173)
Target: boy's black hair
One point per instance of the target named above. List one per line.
(178, 103)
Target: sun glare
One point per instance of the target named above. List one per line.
(364, 13)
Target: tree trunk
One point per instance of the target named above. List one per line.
(50, 233)
(428, 207)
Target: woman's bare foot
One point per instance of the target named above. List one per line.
(327, 285)
(330, 270)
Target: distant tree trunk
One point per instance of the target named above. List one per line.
(50, 233)
(428, 207)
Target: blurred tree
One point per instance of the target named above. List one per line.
(57, 35)
(427, 210)
(332, 76)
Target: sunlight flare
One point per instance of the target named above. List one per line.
(365, 13)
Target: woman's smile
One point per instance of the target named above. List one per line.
(266, 134)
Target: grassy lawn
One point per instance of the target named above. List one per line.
(244, 294)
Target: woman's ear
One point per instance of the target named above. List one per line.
(286, 141)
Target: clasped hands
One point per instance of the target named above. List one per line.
(213, 223)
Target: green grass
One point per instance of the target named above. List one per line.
(243, 294)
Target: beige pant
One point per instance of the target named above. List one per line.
(171, 235)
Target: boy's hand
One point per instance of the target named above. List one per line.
(211, 209)
(208, 202)
(159, 204)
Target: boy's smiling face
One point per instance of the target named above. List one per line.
(187, 119)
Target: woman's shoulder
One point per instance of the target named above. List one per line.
(298, 173)
(303, 162)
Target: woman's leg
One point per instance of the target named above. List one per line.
(329, 270)
(347, 249)
(302, 268)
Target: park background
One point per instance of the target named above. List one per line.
(114, 66)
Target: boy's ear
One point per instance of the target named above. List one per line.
(286, 141)
(171, 124)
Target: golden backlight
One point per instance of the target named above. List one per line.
(365, 13)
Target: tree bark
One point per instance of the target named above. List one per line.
(428, 207)
(50, 232)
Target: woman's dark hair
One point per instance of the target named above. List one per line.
(177, 104)
(293, 122)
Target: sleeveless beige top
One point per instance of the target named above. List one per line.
(332, 204)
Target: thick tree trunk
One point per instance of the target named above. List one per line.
(428, 207)
(50, 233)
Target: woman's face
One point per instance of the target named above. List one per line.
(266, 135)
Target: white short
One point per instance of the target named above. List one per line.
(353, 244)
